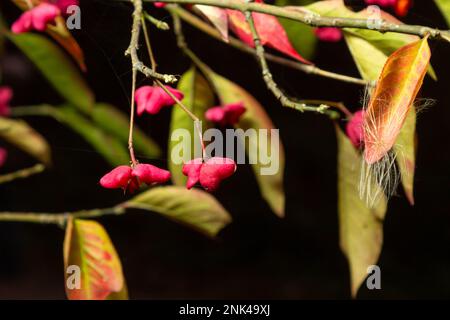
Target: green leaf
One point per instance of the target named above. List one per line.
(444, 6)
(255, 117)
(301, 35)
(405, 150)
(194, 208)
(109, 147)
(56, 68)
(361, 228)
(198, 97)
(21, 135)
(88, 247)
(115, 123)
(368, 58)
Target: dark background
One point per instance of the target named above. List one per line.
(258, 255)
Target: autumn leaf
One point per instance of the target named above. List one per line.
(88, 246)
(392, 98)
(360, 227)
(270, 31)
(217, 16)
(198, 97)
(194, 208)
(370, 62)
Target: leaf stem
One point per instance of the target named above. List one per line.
(22, 174)
(58, 218)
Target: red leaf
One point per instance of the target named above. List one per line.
(269, 29)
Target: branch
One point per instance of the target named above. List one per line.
(58, 218)
(22, 174)
(309, 69)
(134, 46)
(316, 20)
(267, 75)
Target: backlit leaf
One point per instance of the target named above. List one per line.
(116, 123)
(392, 98)
(198, 97)
(21, 135)
(370, 62)
(270, 31)
(405, 150)
(271, 185)
(217, 16)
(360, 227)
(368, 58)
(195, 208)
(444, 6)
(88, 246)
(301, 35)
(56, 68)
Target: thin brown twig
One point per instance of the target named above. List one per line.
(316, 20)
(211, 31)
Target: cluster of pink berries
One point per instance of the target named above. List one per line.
(209, 173)
(38, 17)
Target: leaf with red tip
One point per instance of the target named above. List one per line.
(392, 98)
(88, 246)
(270, 31)
(217, 16)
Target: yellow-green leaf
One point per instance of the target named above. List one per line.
(21, 135)
(444, 6)
(198, 97)
(368, 58)
(361, 228)
(88, 247)
(195, 208)
(271, 185)
(405, 150)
